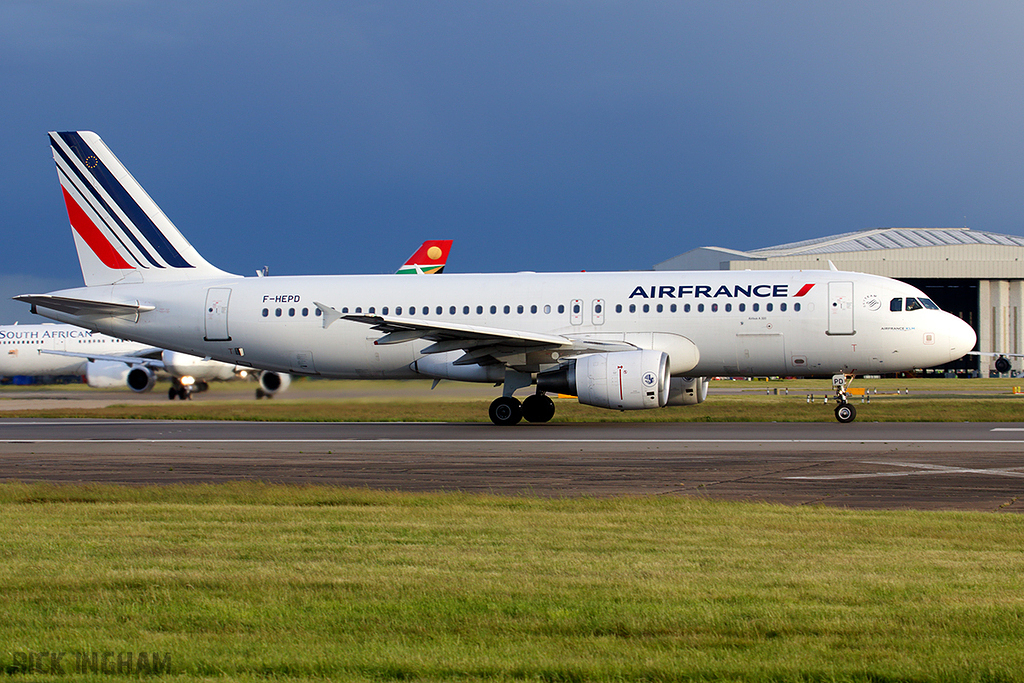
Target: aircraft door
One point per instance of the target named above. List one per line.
(576, 312)
(217, 314)
(840, 308)
(597, 312)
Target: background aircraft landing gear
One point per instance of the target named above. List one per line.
(506, 411)
(538, 408)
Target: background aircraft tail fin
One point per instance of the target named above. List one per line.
(430, 258)
(120, 233)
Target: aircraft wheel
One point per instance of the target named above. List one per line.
(506, 411)
(184, 394)
(846, 413)
(172, 393)
(538, 408)
(260, 394)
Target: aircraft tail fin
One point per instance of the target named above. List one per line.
(429, 259)
(120, 233)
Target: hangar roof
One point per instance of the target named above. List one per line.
(889, 238)
(894, 252)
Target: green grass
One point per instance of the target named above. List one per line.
(256, 582)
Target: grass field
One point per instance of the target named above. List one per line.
(258, 582)
(929, 400)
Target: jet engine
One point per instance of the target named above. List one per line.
(272, 382)
(687, 391)
(114, 375)
(621, 380)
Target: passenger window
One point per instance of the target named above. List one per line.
(465, 310)
(547, 308)
(700, 308)
(714, 308)
(494, 309)
(782, 307)
(278, 312)
(451, 310)
(479, 310)
(686, 308)
(561, 308)
(533, 308)
(647, 308)
(519, 308)
(743, 307)
(672, 308)
(343, 310)
(896, 305)
(796, 307)
(508, 309)
(768, 307)
(913, 304)
(632, 308)
(756, 308)
(384, 311)
(728, 308)
(305, 312)
(660, 309)
(266, 312)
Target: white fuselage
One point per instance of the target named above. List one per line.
(22, 347)
(747, 323)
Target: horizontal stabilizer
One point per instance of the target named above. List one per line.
(82, 306)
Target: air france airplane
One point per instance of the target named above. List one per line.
(616, 340)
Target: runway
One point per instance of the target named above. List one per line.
(934, 466)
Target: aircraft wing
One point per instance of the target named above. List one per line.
(483, 345)
(153, 363)
(81, 306)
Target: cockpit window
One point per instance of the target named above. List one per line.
(913, 304)
(896, 305)
(929, 304)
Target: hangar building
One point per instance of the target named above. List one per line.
(976, 275)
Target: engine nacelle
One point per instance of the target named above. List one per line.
(199, 369)
(273, 382)
(621, 380)
(104, 374)
(687, 391)
(141, 379)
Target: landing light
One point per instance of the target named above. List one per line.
(188, 380)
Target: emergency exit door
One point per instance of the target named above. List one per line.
(217, 314)
(840, 308)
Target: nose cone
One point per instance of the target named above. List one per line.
(962, 338)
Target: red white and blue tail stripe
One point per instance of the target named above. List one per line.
(120, 233)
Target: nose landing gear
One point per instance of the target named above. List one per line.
(845, 411)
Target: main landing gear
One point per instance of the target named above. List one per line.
(845, 411)
(507, 410)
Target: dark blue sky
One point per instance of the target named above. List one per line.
(333, 137)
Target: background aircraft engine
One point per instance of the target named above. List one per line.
(141, 379)
(273, 382)
(106, 375)
(622, 380)
(687, 391)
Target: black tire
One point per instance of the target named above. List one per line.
(506, 411)
(172, 393)
(538, 408)
(846, 413)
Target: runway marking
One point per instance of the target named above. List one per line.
(386, 440)
(918, 468)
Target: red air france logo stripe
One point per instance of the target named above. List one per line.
(803, 290)
(88, 231)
